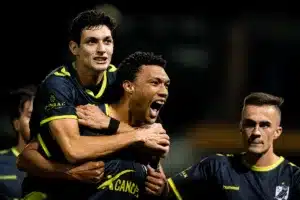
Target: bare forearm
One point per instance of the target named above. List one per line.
(92, 147)
(123, 128)
(34, 163)
(77, 148)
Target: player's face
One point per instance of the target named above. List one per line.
(96, 48)
(150, 93)
(260, 126)
(23, 127)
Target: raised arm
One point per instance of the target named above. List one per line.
(54, 106)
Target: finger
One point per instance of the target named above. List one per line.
(83, 122)
(87, 166)
(153, 172)
(156, 179)
(97, 176)
(95, 165)
(80, 114)
(151, 192)
(153, 187)
(150, 170)
(162, 132)
(90, 107)
(164, 136)
(93, 107)
(164, 142)
(100, 164)
(84, 107)
(79, 109)
(163, 149)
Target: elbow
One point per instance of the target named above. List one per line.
(74, 155)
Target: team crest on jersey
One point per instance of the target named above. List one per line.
(282, 192)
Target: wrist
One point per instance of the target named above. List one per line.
(113, 125)
(139, 136)
(105, 123)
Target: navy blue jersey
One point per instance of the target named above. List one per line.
(229, 177)
(10, 177)
(57, 97)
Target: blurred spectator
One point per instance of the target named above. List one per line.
(20, 108)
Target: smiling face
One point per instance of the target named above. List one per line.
(260, 126)
(149, 92)
(95, 49)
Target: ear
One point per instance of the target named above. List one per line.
(277, 133)
(73, 46)
(128, 87)
(16, 124)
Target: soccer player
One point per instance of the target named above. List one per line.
(142, 89)
(20, 108)
(54, 121)
(257, 174)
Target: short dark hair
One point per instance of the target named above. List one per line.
(89, 19)
(130, 66)
(261, 98)
(17, 99)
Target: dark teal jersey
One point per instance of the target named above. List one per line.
(229, 177)
(10, 177)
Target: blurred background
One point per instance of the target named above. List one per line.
(215, 58)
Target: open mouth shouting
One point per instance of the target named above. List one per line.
(155, 107)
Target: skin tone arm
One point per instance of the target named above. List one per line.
(31, 161)
(77, 148)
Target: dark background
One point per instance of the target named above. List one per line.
(216, 53)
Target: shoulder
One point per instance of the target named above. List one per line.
(213, 162)
(7, 157)
(111, 74)
(112, 69)
(5, 152)
(218, 158)
(58, 78)
(295, 170)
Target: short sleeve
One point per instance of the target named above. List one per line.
(54, 100)
(186, 183)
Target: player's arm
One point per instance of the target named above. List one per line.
(61, 119)
(31, 161)
(191, 180)
(91, 116)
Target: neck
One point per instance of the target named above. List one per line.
(21, 144)
(262, 160)
(88, 76)
(120, 111)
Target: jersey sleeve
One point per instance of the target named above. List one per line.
(185, 184)
(55, 100)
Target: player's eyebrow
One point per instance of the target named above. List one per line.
(251, 122)
(161, 79)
